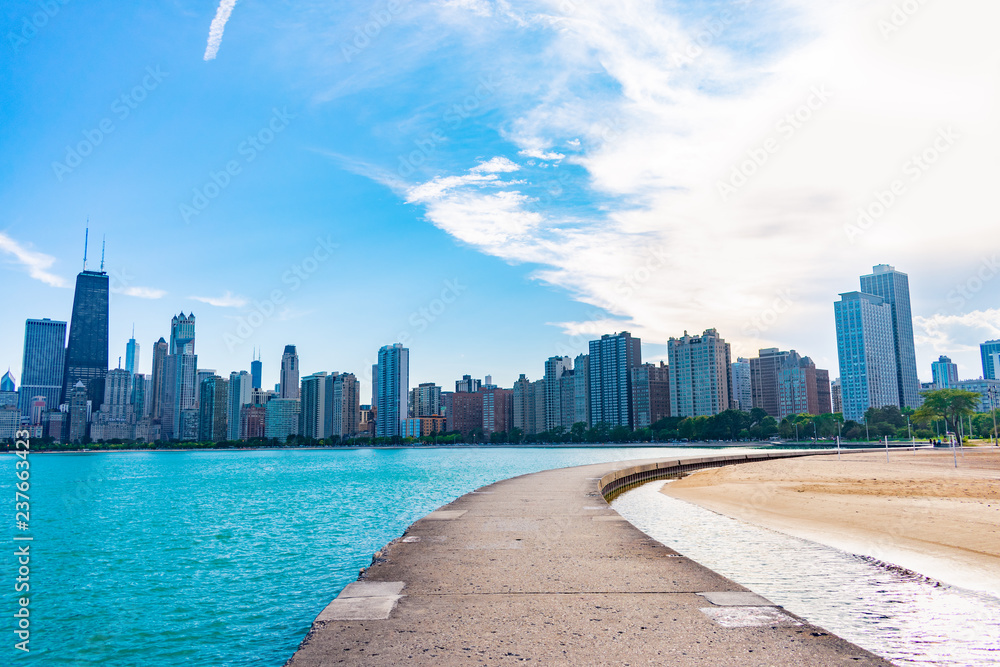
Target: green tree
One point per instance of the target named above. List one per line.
(951, 405)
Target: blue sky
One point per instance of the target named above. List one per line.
(502, 180)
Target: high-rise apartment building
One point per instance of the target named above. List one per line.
(802, 388)
(346, 406)
(468, 385)
(742, 387)
(581, 390)
(866, 350)
(87, 350)
(700, 374)
(281, 418)
(990, 351)
(498, 411)
(116, 418)
(765, 369)
(79, 412)
(315, 405)
(289, 383)
(179, 405)
(464, 412)
(425, 400)
(650, 393)
(393, 380)
(43, 364)
(240, 393)
(612, 359)
(944, 373)
(555, 368)
(836, 397)
(523, 417)
(213, 408)
(894, 288)
(157, 379)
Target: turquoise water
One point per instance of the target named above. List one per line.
(222, 557)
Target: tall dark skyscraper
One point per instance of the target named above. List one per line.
(87, 351)
(289, 373)
(43, 364)
(255, 371)
(894, 288)
(155, 399)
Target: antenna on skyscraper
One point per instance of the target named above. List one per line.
(104, 238)
(86, 237)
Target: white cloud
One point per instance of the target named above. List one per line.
(217, 28)
(140, 292)
(682, 112)
(539, 154)
(227, 300)
(36, 263)
(951, 333)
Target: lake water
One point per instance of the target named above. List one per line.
(224, 557)
(898, 615)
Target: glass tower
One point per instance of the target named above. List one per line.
(894, 288)
(43, 364)
(991, 359)
(87, 351)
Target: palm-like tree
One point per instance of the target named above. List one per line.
(947, 404)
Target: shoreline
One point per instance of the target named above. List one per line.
(916, 512)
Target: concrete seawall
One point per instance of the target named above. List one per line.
(540, 569)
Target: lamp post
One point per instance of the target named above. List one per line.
(868, 436)
(909, 431)
(993, 411)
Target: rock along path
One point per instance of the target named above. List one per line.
(539, 569)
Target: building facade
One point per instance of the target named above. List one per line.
(700, 374)
(866, 351)
(990, 351)
(289, 381)
(742, 387)
(87, 349)
(213, 409)
(425, 400)
(612, 359)
(393, 386)
(281, 418)
(894, 288)
(43, 364)
(944, 373)
(650, 393)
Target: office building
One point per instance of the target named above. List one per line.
(132, 354)
(765, 369)
(700, 374)
(609, 375)
(650, 393)
(866, 350)
(894, 288)
(256, 369)
(158, 379)
(253, 419)
(79, 412)
(990, 351)
(944, 373)
(315, 406)
(345, 406)
(10, 422)
(836, 397)
(179, 404)
(116, 418)
(289, 383)
(87, 350)
(802, 388)
(140, 392)
(43, 364)
(393, 380)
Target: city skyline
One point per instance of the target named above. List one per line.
(692, 143)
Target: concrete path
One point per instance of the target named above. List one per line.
(539, 569)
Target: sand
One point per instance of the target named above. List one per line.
(917, 511)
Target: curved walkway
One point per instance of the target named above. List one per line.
(539, 569)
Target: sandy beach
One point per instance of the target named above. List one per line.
(917, 511)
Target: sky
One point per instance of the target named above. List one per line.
(494, 182)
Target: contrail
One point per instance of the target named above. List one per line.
(217, 28)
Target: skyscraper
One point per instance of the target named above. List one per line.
(240, 394)
(180, 418)
(79, 412)
(581, 391)
(255, 371)
(43, 364)
(650, 393)
(894, 287)
(425, 400)
(609, 375)
(990, 351)
(866, 350)
(468, 385)
(742, 387)
(555, 368)
(87, 351)
(314, 406)
(700, 375)
(8, 393)
(157, 378)
(345, 406)
(213, 409)
(393, 382)
(764, 371)
(116, 418)
(289, 383)
(944, 373)
(132, 354)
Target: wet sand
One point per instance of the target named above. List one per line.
(916, 511)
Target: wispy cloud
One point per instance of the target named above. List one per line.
(948, 334)
(227, 300)
(140, 292)
(36, 263)
(217, 28)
